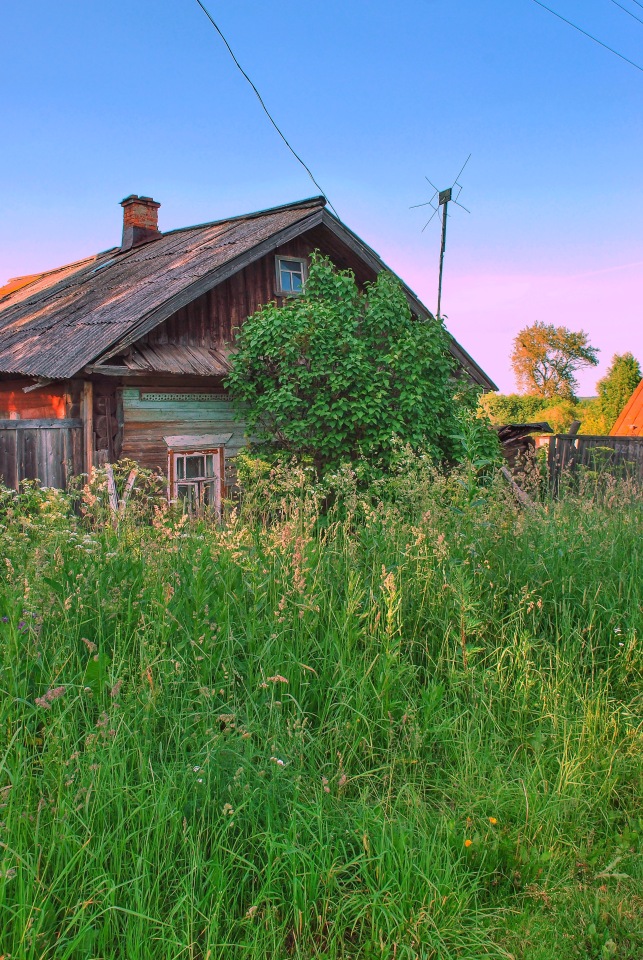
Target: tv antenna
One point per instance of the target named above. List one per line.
(444, 197)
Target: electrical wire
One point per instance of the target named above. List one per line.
(265, 108)
(586, 34)
(625, 10)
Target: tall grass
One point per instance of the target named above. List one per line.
(407, 726)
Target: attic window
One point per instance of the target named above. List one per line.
(291, 275)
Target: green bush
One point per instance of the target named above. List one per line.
(334, 375)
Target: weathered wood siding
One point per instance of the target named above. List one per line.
(210, 320)
(47, 450)
(149, 415)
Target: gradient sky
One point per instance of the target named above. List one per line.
(100, 100)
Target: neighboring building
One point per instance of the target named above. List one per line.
(124, 354)
(630, 420)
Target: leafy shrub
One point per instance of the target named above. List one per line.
(335, 374)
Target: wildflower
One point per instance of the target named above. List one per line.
(251, 912)
(196, 769)
(49, 697)
(5, 619)
(617, 629)
(227, 810)
(280, 763)
(493, 821)
(277, 679)
(116, 689)
(468, 843)
(325, 785)
(90, 646)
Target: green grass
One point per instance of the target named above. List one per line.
(277, 739)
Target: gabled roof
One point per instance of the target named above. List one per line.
(630, 420)
(56, 323)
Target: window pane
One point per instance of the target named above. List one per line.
(209, 495)
(186, 492)
(209, 466)
(293, 265)
(285, 280)
(194, 467)
(180, 468)
(296, 281)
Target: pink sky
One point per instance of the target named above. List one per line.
(486, 308)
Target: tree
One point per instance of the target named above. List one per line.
(617, 386)
(546, 358)
(502, 408)
(335, 373)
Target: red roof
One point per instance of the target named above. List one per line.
(630, 421)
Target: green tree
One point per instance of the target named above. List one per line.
(335, 373)
(502, 408)
(545, 359)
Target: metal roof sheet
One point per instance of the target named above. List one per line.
(65, 319)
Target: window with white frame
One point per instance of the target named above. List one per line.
(196, 472)
(291, 275)
(196, 480)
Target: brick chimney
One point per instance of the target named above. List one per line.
(140, 221)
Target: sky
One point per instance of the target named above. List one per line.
(101, 100)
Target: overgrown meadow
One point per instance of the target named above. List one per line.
(401, 724)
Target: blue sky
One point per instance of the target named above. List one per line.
(103, 100)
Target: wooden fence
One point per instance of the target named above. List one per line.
(615, 456)
(48, 450)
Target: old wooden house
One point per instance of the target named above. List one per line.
(125, 353)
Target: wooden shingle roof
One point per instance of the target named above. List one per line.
(55, 324)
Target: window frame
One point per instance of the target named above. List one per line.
(198, 483)
(304, 274)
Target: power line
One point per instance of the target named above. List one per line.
(617, 4)
(265, 108)
(586, 34)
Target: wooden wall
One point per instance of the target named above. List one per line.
(47, 450)
(53, 401)
(149, 414)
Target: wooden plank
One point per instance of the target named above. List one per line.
(87, 414)
(197, 441)
(129, 486)
(47, 423)
(8, 458)
(111, 488)
(27, 455)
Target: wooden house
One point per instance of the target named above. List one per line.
(630, 420)
(125, 353)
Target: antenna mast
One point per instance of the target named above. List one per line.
(445, 197)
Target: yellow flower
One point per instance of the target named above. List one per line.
(468, 843)
(493, 821)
